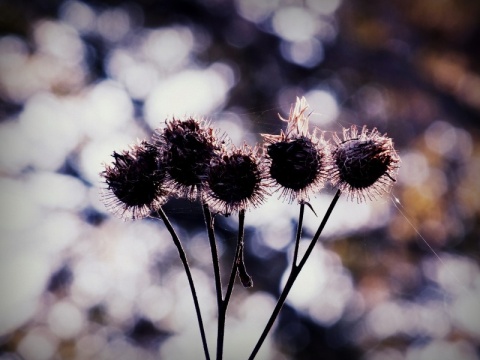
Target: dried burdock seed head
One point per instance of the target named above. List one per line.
(135, 182)
(187, 147)
(364, 164)
(236, 180)
(297, 160)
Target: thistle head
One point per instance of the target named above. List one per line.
(236, 180)
(135, 182)
(364, 164)
(187, 147)
(297, 160)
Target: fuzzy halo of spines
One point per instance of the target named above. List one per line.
(364, 164)
(298, 161)
(187, 147)
(236, 180)
(134, 182)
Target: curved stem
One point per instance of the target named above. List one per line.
(293, 276)
(218, 283)
(183, 258)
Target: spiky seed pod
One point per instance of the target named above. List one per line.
(135, 182)
(365, 164)
(236, 180)
(187, 147)
(297, 160)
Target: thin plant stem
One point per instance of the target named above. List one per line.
(183, 258)
(218, 283)
(213, 248)
(293, 276)
(299, 233)
(238, 259)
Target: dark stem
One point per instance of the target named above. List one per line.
(213, 248)
(238, 256)
(183, 258)
(299, 233)
(293, 276)
(237, 263)
(218, 283)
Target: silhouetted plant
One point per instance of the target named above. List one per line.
(187, 159)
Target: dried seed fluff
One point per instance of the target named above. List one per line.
(297, 160)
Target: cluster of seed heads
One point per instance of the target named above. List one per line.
(188, 159)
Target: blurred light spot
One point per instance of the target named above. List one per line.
(148, 303)
(176, 344)
(387, 319)
(466, 312)
(252, 314)
(190, 92)
(323, 105)
(56, 190)
(372, 102)
(78, 15)
(120, 348)
(169, 48)
(59, 40)
(96, 153)
(415, 168)
(308, 53)
(139, 79)
(14, 148)
(265, 220)
(89, 345)
(438, 182)
(323, 289)
(113, 24)
(441, 137)
(38, 344)
(360, 215)
(181, 314)
(383, 354)
(256, 11)
(432, 320)
(455, 273)
(442, 350)
(325, 7)
(57, 232)
(65, 320)
(107, 108)
(231, 125)
(256, 306)
(14, 55)
(17, 209)
(90, 283)
(294, 23)
(272, 210)
(58, 63)
(23, 278)
(49, 129)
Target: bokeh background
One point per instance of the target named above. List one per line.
(397, 278)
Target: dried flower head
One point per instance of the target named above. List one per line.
(236, 180)
(135, 182)
(297, 160)
(364, 164)
(187, 147)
